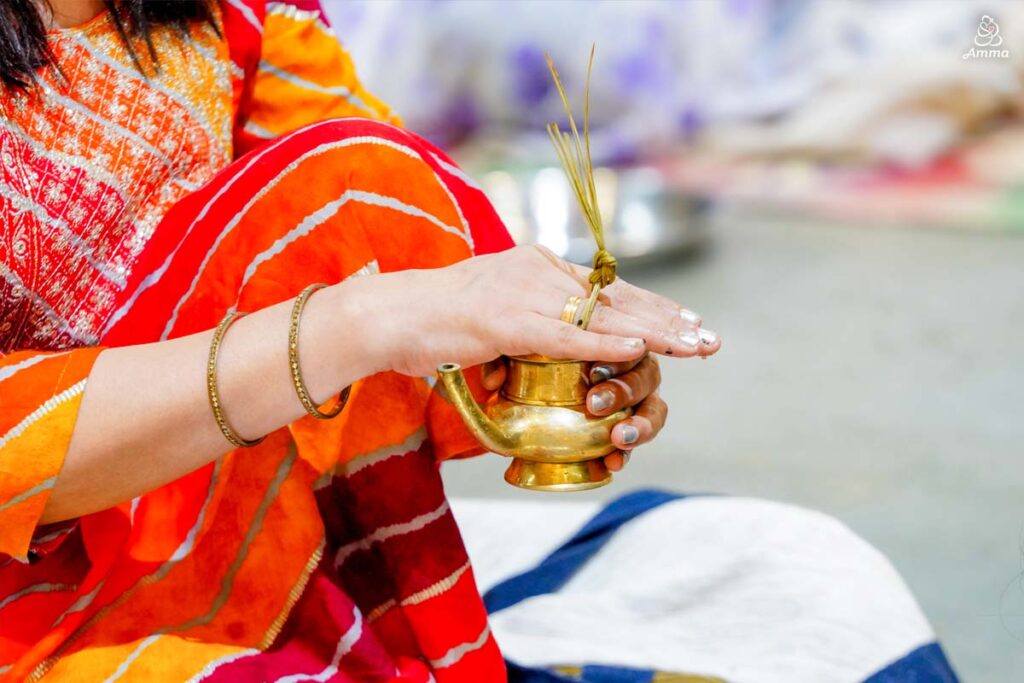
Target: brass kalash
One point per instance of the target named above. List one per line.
(540, 418)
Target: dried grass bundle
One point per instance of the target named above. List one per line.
(574, 152)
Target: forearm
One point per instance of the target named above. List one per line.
(145, 418)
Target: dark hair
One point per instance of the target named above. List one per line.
(24, 47)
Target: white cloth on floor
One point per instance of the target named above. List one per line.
(744, 589)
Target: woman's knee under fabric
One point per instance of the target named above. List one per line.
(334, 199)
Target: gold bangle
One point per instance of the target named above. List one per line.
(211, 385)
(293, 360)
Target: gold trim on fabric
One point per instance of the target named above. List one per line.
(659, 676)
(269, 497)
(293, 596)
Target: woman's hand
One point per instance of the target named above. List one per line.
(511, 303)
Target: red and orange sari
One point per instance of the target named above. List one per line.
(139, 208)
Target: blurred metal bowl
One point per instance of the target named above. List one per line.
(644, 218)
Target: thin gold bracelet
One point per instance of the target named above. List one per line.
(293, 360)
(211, 385)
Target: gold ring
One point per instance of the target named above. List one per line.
(569, 311)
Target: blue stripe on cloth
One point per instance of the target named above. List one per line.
(524, 674)
(590, 674)
(616, 674)
(557, 568)
(926, 664)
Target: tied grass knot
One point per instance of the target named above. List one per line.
(604, 269)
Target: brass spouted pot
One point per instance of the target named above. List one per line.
(541, 421)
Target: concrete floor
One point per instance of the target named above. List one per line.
(875, 374)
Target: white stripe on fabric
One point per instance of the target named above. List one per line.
(45, 485)
(247, 12)
(364, 460)
(183, 550)
(37, 588)
(298, 81)
(466, 232)
(329, 210)
(345, 644)
(123, 667)
(258, 131)
(281, 9)
(210, 668)
(263, 191)
(49, 405)
(456, 171)
(392, 203)
(55, 535)
(451, 197)
(455, 654)
(157, 274)
(390, 531)
(9, 371)
(371, 268)
(80, 604)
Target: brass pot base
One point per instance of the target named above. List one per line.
(558, 476)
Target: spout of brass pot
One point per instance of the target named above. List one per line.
(483, 428)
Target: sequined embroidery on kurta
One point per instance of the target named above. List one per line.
(90, 163)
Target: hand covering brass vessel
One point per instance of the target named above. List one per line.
(540, 418)
(541, 421)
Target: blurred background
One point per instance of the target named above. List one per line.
(838, 188)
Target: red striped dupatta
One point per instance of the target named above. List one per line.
(327, 552)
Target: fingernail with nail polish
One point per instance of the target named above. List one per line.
(600, 373)
(689, 316)
(600, 400)
(689, 339)
(707, 336)
(630, 434)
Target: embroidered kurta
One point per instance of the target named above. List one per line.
(142, 206)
